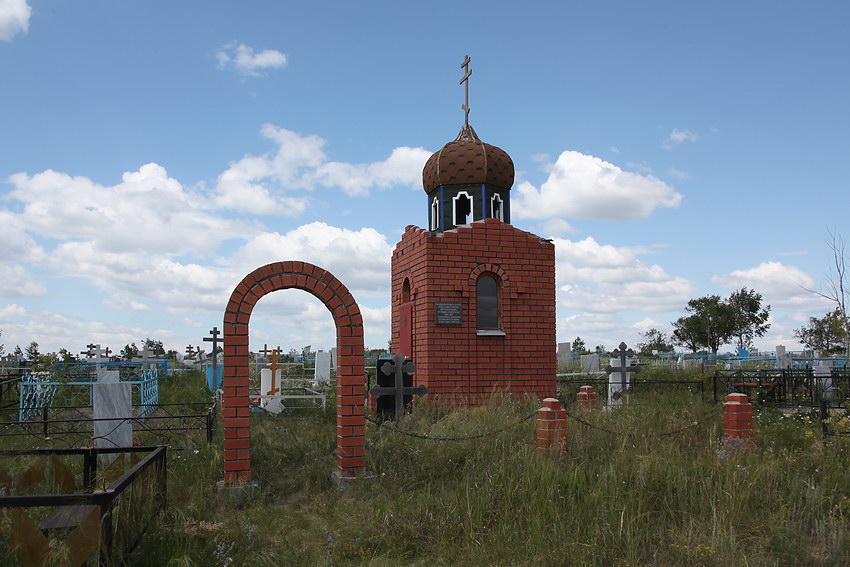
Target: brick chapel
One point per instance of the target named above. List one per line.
(473, 297)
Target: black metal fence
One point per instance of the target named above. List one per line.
(834, 419)
(72, 426)
(569, 387)
(9, 391)
(106, 519)
(784, 388)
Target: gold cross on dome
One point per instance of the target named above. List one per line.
(467, 72)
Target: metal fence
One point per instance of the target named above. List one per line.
(72, 385)
(72, 426)
(107, 516)
(569, 387)
(784, 388)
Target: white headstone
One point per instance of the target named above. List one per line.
(823, 378)
(270, 391)
(783, 359)
(333, 358)
(565, 353)
(322, 373)
(113, 407)
(590, 363)
(616, 395)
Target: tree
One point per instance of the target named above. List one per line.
(837, 284)
(827, 334)
(578, 346)
(711, 324)
(750, 319)
(65, 355)
(655, 340)
(687, 332)
(2, 347)
(130, 351)
(154, 347)
(32, 351)
(19, 354)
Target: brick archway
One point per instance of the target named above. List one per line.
(350, 413)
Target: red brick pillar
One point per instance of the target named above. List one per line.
(586, 397)
(738, 419)
(551, 427)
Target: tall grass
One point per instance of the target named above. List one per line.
(645, 484)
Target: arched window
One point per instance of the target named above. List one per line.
(497, 207)
(435, 214)
(462, 208)
(487, 294)
(405, 291)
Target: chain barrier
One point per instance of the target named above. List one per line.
(633, 435)
(466, 438)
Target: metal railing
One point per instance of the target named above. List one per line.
(118, 512)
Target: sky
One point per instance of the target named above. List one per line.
(154, 153)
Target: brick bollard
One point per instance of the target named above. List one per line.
(586, 397)
(551, 427)
(738, 420)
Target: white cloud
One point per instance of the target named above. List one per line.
(539, 158)
(360, 259)
(16, 281)
(582, 186)
(781, 286)
(596, 278)
(10, 311)
(678, 174)
(254, 183)
(242, 59)
(148, 211)
(557, 227)
(14, 18)
(676, 137)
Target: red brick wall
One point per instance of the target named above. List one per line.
(350, 413)
(453, 361)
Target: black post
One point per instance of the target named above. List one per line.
(824, 415)
(44, 426)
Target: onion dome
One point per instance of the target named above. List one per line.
(466, 161)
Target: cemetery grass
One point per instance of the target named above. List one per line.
(647, 484)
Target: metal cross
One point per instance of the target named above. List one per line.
(465, 80)
(214, 340)
(190, 352)
(274, 366)
(400, 366)
(265, 352)
(91, 350)
(623, 369)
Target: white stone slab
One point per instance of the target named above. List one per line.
(590, 363)
(113, 403)
(322, 373)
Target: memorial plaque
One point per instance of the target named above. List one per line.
(448, 313)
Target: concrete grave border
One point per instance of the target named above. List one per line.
(350, 411)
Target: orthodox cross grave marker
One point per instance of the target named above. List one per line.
(398, 367)
(269, 384)
(214, 381)
(620, 365)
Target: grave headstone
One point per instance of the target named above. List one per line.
(397, 369)
(270, 380)
(823, 379)
(619, 374)
(112, 402)
(783, 359)
(322, 374)
(590, 363)
(333, 357)
(565, 354)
